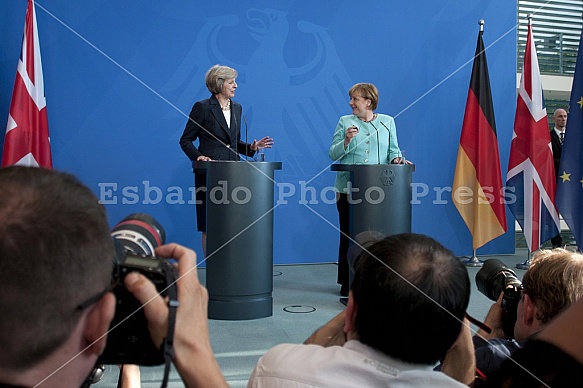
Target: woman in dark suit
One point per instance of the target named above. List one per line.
(216, 123)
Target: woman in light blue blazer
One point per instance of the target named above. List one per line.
(364, 137)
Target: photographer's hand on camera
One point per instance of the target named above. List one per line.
(494, 321)
(193, 356)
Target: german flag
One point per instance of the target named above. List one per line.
(477, 185)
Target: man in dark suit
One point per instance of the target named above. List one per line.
(557, 137)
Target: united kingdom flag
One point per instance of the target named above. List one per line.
(27, 132)
(531, 176)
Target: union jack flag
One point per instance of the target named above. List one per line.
(27, 132)
(531, 174)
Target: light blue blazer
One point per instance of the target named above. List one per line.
(375, 143)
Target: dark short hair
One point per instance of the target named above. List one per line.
(411, 295)
(56, 253)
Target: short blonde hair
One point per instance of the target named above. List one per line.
(216, 76)
(368, 92)
(554, 281)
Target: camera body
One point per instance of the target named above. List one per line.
(494, 278)
(129, 341)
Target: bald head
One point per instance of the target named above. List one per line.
(560, 119)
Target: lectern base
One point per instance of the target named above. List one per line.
(241, 307)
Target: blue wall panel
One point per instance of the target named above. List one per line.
(121, 78)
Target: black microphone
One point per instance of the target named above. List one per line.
(246, 143)
(238, 132)
(378, 141)
(389, 132)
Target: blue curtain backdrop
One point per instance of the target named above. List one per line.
(121, 78)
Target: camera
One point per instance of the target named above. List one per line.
(494, 278)
(135, 238)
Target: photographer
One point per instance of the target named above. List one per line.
(551, 358)
(402, 316)
(194, 357)
(552, 283)
(56, 308)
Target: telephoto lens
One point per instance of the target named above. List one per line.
(494, 277)
(139, 233)
(135, 239)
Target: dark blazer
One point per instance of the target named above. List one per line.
(216, 140)
(557, 148)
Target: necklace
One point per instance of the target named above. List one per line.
(374, 116)
(228, 106)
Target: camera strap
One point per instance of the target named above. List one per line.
(168, 344)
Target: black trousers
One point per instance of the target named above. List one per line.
(344, 219)
(557, 241)
(199, 184)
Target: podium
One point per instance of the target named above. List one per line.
(239, 246)
(380, 199)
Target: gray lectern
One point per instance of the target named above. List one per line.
(239, 247)
(380, 199)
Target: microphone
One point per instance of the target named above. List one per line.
(246, 143)
(378, 141)
(238, 136)
(389, 132)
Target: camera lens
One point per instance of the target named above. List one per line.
(139, 233)
(493, 278)
(135, 238)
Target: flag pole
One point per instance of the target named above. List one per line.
(569, 198)
(526, 264)
(531, 156)
(528, 260)
(474, 261)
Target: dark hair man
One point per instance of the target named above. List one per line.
(405, 311)
(56, 308)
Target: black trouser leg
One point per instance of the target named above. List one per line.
(344, 217)
(557, 241)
